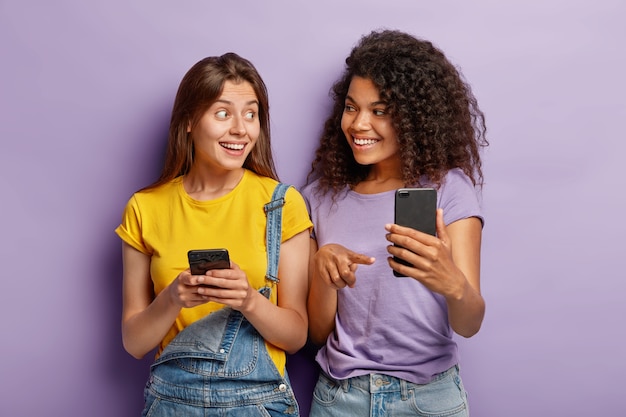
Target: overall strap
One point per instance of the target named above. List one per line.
(273, 231)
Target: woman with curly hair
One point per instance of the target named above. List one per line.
(403, 117)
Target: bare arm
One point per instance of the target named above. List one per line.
(466, 306)
(321, 303)
(448, 264)
(147, 319)
(332, 267)
(283, 325)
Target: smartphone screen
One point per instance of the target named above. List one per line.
(415, 208)
(202, 260)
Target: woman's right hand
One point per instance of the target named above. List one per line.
(184, 291)
(331, 268)
(336, 265)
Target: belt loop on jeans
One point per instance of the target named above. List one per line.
(345, 384)
(404, 389)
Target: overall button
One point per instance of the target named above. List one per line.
(222, 350)
(282, 387)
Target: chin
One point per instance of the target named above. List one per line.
(365, 161)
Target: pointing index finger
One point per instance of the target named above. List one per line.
(359, 258)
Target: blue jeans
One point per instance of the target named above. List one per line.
(378, 395)
(218, 366)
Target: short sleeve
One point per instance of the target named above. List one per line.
(459, 198)
(130, 228)
(295, 215)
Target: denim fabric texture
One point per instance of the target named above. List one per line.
(273, 212)
(378, 395)
(219, 365)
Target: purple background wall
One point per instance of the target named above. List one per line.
(86, 88)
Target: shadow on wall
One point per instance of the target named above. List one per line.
(126, 375)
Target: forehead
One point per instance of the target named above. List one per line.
(363, 89)
(235, 92)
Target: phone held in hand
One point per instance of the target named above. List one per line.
(202, 260)
(415, 208)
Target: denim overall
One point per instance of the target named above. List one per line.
(219, 365)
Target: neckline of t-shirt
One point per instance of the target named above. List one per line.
(375, 196)
(227, 196)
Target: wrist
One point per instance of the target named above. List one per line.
(250, 302)
(459, 292)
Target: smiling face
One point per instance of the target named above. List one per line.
(368, 126)
(228, 130)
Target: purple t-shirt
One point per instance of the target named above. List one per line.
(385, 324)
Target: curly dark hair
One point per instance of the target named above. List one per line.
(437, 119)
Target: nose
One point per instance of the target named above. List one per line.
(238, 128)
(361, 121)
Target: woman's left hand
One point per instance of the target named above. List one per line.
(227, 286)
(431, 257)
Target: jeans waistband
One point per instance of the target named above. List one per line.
(376, 383)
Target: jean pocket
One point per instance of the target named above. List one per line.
(442, 397)
(326, 390)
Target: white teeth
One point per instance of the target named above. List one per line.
(233, 146)
(362, 142)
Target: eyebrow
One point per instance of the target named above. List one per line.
(375, 103)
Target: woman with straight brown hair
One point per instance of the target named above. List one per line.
(220, 335)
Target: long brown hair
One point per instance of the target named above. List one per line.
(201, 86)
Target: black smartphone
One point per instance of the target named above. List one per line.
(201, 260)
(415, 208)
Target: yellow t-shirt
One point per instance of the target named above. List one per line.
(166, 222)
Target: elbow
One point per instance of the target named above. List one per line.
(318, 337)
(132, 351)
(469, 329)
(297, 344)
(296, 338)
(467, 322)
(293, 351)
(319, 330)
(318, 341)
(137, 356)
(467, 333)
